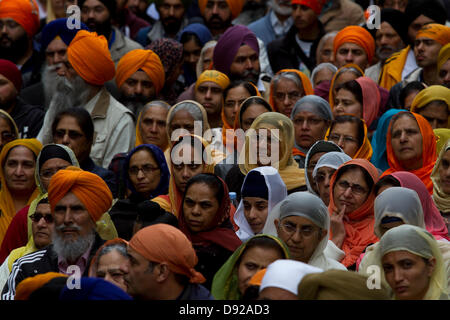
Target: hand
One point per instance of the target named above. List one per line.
(337, 226)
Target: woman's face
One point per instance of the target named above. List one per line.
(286, 95)
(200, 206)
(185, 165)
(311, 165)
(207, 58)
(269, 149)
(345, 135)
(345, 102)
(19, 170)
(322, 75)
(253, 260)
(407, 274)
(322, 181)
(343, 77)
(109, 268)
(406, 140)
(49, 168)
(250, 114)
(351, 190)
(255, 211)
(191, 53)
(6, 132)
(144, 172)
(444, 172)
(233, 100)
(182, 119)
(308, 128)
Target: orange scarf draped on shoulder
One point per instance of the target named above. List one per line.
(391, 73)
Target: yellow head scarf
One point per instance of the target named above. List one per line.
(429, 94)
(444, 55)
(440, 198)
(214, 76)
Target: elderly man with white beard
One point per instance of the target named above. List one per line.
(88, 67)
(77, 200)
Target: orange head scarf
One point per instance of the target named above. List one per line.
(371, 99)
(359, 224)
(89, 188)
(7, 207)
(214, 76)
(234, 5)
(306, 83)
(438, 32)
(89, 55)
(428, 151)
(140, 59)
(336, 75)
(27, 286)
(24, 12)
(164, 243)
(357, 35)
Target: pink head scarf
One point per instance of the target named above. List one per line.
(371, 99)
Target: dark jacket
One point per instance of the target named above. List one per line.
(34, 95)
(28, 118)
(42, 261)
(107, 175)
(285, 53)
(195, 292)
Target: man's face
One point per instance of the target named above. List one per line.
(171, 14)
(387, 41)
(19, 170)
(303, 16)
(399, 5)
(140, 278)
(42, 230)
(209, 95)
(14, 41)
(351, 53)
(153, 126)
(97, 17)
(136, 91)
(245, 65)
(426, 51)
(69, 133)
(444, 74)
(56, 52)
(8, 93)
(217, 15)
(416, 25)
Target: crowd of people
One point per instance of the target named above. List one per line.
(224, 150)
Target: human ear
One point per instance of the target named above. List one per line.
(430, 266)
(163, 272)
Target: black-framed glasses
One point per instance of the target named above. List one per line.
(36, 217)
(48, 173)
(337, 137)
(146, 169)
(355, 188)
(60, 133)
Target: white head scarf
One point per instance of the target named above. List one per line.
(332, 160)
(286, 274)
(277, 191)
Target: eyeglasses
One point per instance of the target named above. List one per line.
(355, 188)
(146, 169)
(337, 137)
(294, 95)
(291, 229)
(74, 135)
(47, 174)
(36, 217)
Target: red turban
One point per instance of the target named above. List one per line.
(10, 71)
(164, 243)
(315, 5)
(357, 35)
(146, 60)
(89, 188)
(89, 55)
(24, 12)
(234, 5)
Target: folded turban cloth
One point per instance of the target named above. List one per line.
(444, 55)
(10, 71)
(213, 76)
(430, 94)
(89, 188)
(24, 12)
(315, 5)
(234, 5)
(397, 21)
(111, 5)
(89, 55)
(169, 51)
(164, 243)
(357, 35)
(228, 45)
(29, 285)
(140, 59)
(435, 31)
(59, 28)
(93, 289)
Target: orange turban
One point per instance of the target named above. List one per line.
(234, 5)
(138, 59)
(88, 187)
(357, 35)
(89, 55)
(214, 76)
(437, 32)
(27, 286)
(257, 277)
(315, 5)
(24, 12)
(164, 243)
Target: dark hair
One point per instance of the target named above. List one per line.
(10, 124)
(266, 243)
(150, 213)
(354, 87)
(212, 181)
(399, 115)
(367, 177)
(43, 201)
(388, 180)
(240, 83)
(352, 119)
(188, 36)
(408, 89)
(83, 118)
(251, 293)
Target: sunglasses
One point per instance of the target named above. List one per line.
(36, 217)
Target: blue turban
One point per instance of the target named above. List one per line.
(200, 30)
(94, 289)
(59, 28)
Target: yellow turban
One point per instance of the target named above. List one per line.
(89, 188)
(432, 93)
(89, 55)
(234, 5)
(146, 60)
(444, 55)
(214, 76)
(437, 32)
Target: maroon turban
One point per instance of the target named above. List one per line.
(10, 71)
